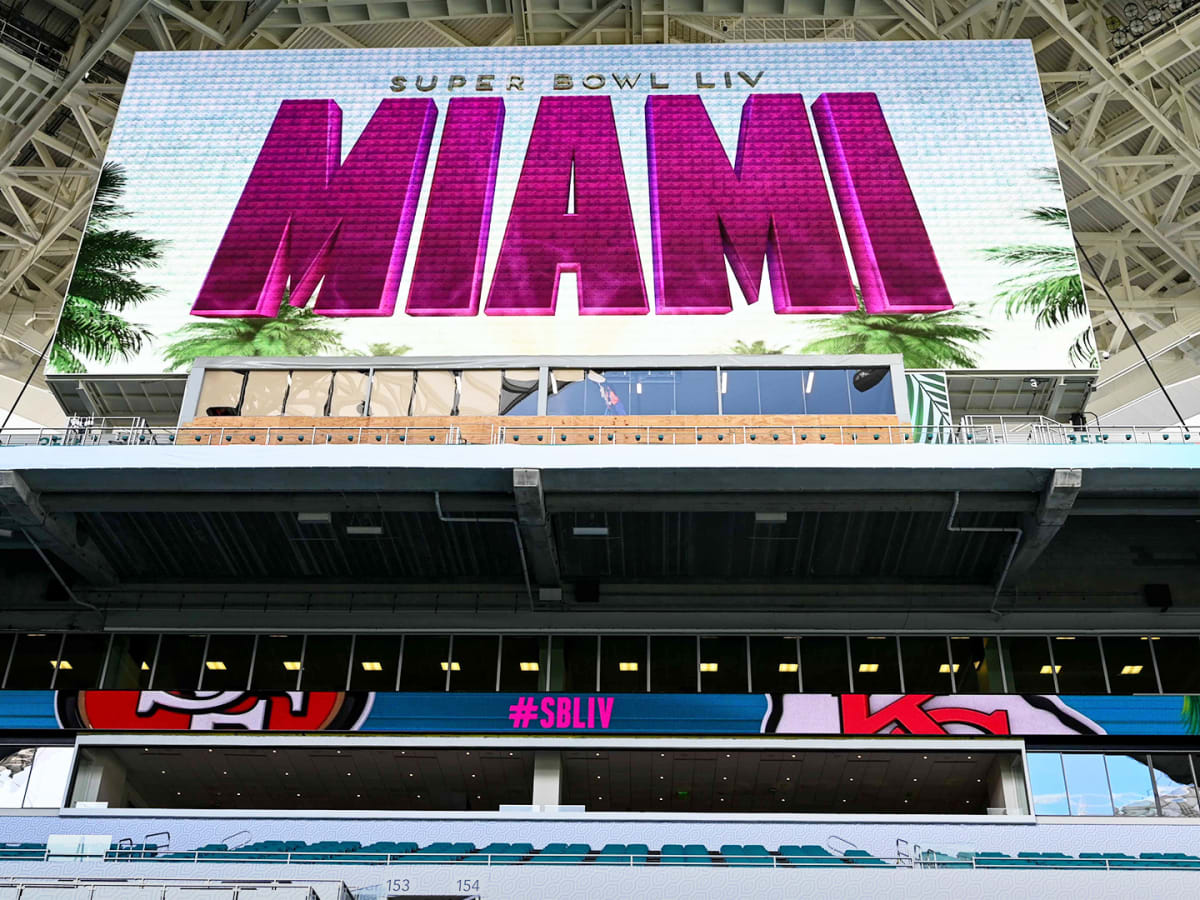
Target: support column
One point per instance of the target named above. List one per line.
(1006, 786)
(99, 778)
(547, 778)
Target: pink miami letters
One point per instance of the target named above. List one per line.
(307, 218)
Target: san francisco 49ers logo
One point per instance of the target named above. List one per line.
(213, 710)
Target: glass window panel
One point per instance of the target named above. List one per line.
(1047, 784)
(774, 666)
(723, 665)
(1130, 669)
(180, 657)
(473, 662)
(823, 665)
(1027, 660)
(130, 661)
(375, 660)
(349, 394)
(781, 391)
(32, 664)
(651, 393)
(518, 392)
(927, 666)
(1129, 782)
(673, 665)
(871, 392)
(1175, 783)
(1079, 667)
(16, 765)
(1087, 784)
(1177, 668)
(265, 392)
(828, 393)
(80, 663)
(622, 664)
(308, 394)
(874, 665)
(978, 665)
(610, 394)
(523, 663)
(479, 392)
(739, 392)
(391, 393)
(696, 392)
(227, 665)
(220, 392)
(570, 390)
(326, 663)
(434, 394)
(573, 663)
(277, 662)
(421, 668)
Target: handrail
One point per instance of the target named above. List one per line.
(774, 859)
(552, 435)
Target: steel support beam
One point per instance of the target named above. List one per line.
(1058, 497)
(534, 523)
(54, 532)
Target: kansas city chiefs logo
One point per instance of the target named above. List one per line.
(213, 710)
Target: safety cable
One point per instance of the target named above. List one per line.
(1149, 365)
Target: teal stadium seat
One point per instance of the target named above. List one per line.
(380, 851)
(562, 854)
(441, 852)
(807, 855)
(685, 855)
(623, 855)
(746, 855)
(862, 858)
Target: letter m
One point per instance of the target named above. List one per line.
(305, 218)
(772, 202)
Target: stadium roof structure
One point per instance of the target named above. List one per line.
(1125, 112)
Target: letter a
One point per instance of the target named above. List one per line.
(305, 216)
(543, 240)
(772, 202)
(897, 269)
(448, 275)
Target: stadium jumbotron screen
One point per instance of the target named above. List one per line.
(814, 198)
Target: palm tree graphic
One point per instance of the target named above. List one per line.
(1050, 288)
(382, 349)
(757, 348)
(293, 332)
(103, 286)
(940, 340)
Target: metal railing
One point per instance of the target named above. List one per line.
(42, 885)
(968, 434)
(777, 859)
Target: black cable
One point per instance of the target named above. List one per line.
(66, 291)
(1149, 365)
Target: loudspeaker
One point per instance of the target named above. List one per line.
(1157, 595)
(587, 592)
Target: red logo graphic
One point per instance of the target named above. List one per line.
(909, 715)
(213, 710)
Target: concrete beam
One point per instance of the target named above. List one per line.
(534, 523)
(1040, 527)
(55, 533)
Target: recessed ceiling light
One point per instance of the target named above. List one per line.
(60, 664)
(372, 666)
(364, 529)
(1045, 670)
(1131, 670)
(947, 668)
(215, 665)
(627, 666)
(708, 667)
(529, 667)
(145, 667)
(868, 667)
(451, 667)
(789, 667)
(292, 665)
